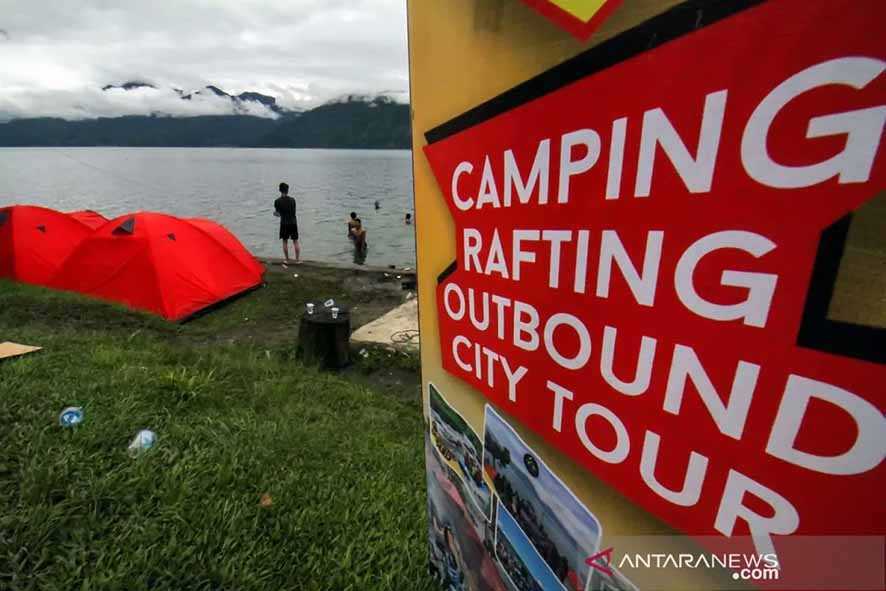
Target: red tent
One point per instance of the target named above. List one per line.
(231, 242)
(91, 218)
(35, 241)
(159, 263)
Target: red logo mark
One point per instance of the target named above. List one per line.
(606, 559)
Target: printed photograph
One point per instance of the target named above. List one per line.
(560, 527)
(460, 446)
(461, 557)
(482, 523)
(518, 559)
(600, 581)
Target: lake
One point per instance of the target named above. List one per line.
(234, 186)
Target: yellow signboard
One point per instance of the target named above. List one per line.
(579, 17)
(463, 53)
(619, 366)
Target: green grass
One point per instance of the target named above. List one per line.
(342, 462)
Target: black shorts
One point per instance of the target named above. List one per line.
(289, 231)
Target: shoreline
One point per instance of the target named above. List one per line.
(274, 264)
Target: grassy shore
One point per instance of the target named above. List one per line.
(237, 418)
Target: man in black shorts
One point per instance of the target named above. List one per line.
(284, 208)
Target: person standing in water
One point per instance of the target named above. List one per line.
(360, 247)
(284, 208)
(352, 223)
(358, 232)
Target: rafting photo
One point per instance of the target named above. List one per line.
(461, 539)
(461, 447)
(524, 568)
(559, 526)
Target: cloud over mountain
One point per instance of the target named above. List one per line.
(57, 56)
(116, 101)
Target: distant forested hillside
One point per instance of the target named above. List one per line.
(208, 130)
(350, 123)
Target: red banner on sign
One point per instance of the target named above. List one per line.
(570, 21)
(642, 255)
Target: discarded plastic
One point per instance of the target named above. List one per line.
(295, 275)
(71, 416)
(329, 303)
(410, 295)
(335, 313)
(310, 307)
(144, 440)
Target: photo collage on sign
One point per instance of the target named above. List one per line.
(524, 568)
(461, 447)
(532, 531)
(459, 507)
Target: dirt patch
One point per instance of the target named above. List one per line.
(395, 373)
(270, 316)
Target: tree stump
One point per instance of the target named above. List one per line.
(324, 340)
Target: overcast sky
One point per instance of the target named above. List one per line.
(56, 56)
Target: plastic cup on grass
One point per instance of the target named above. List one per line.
(144, 440)
(71, 416)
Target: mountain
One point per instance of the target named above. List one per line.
(350, 122)
(257, 97)
(355, 122)
(239, 101)
(141, 131)
(131, 85)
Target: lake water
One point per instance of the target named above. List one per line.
(233, 186)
